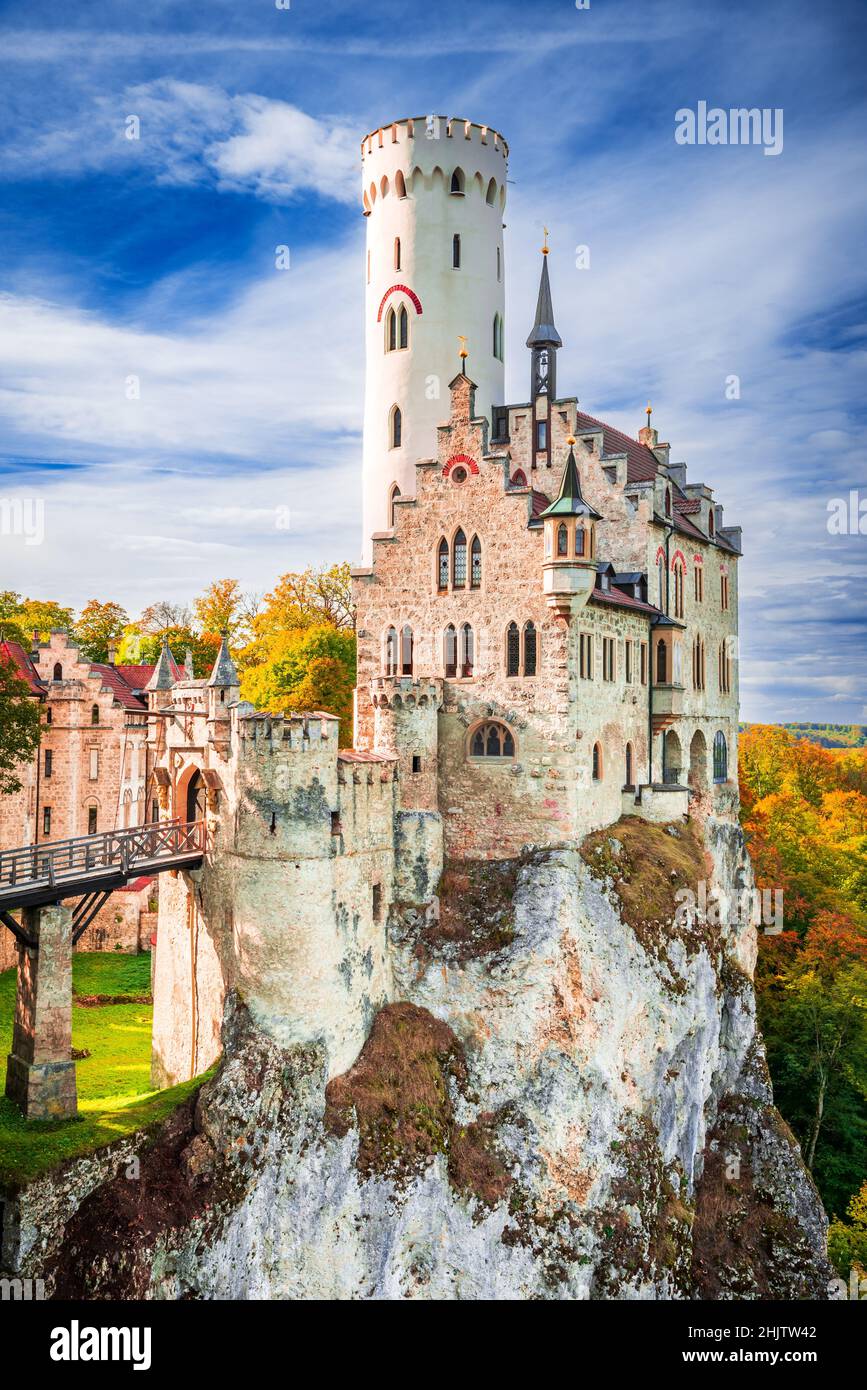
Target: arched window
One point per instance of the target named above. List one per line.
(456, 251)
(710, 523)
(406, 651)
(720, 757)
(58, 672)
(390, 331)
(520, 479)
(397, 253)
(467, 650)
(597, 762)
(457, 183)
(629, 781)
(443, 564)
(725, 668)
(476, 563)
(530, 649)
(395, 427)
(450, 652)
(392, 498)
(400, 184)
(391, 652)
(562, 540)
(459, 561)
(579, 540)
(679, 575)
(94, 714)
(668, 501)
(513, 650)
(403, 327)
(498, 337)
(660, 574)
(492, 740)
(661, 663)
(490, 196)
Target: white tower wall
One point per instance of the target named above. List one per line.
(453, 301)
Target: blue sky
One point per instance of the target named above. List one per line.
(155, 259)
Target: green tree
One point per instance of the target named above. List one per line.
(309, 668)
(142, 648)
(19, 726)
(97, 625)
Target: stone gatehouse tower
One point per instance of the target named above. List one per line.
(546, 621)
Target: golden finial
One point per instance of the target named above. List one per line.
(545, 247)
(570, 440)
(648, 412)
(462, 351)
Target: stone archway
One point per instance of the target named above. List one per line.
(672, 758)
(698, 779)
(196, 797)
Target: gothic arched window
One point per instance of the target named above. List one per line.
(397, 253)
(467, 650)
(395, 427)
(498, 337)
(406, 651)
(629, 781)
(562, 540)
(720, 757)
(459, 561)
(660, 573)
(597, 762)
(58, 672)
(661, 664)
(403, 322)
(94, 714)
(391, 652)
(491, 194)
(530, 649)
(443, 564)
(400, 184)
(679, 575)
(492, 740)
(457, 183)
(392, 498)
(390, 331)
(475, 563)
(513, 650)
(450, 652)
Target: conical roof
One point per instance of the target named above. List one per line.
(224, 672)
(569, 499)
(543, 333)
(164, 675)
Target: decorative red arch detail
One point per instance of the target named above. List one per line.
(698, 559)
(403, 289)
(520, 479)
(660, 551)
(460, 458)
(678, 555)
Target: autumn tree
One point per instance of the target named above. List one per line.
(310, 668)
(98, 624)
(19, 726)
(20, 618)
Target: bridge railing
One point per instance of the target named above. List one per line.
(57, 861)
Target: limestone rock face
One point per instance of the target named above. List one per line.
(574, 1105)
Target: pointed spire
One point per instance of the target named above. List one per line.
(543, 333)
(224, 672)
(570, 501)
(163, 677)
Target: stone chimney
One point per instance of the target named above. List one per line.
(112, 650)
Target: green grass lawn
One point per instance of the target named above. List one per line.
(114, 1090)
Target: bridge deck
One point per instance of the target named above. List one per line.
(40, 874)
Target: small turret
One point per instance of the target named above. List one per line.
(224, 691)
(544, 340)
(569, 568)
(163, 677)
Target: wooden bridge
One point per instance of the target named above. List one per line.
(40, 1070)
(90, 867)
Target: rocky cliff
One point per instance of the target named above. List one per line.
(567, 1099)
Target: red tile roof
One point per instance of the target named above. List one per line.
(540, 501)
(136, 676)
(620, 599)
(124, 693)
(14, 652)
(641, 462)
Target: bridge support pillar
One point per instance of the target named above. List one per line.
(40, 1072)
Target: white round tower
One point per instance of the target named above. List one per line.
(433, 191)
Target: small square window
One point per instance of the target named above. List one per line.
(377, 902)
(416, 763)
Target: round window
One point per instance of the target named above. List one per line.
(459, 475)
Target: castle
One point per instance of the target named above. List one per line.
(546, 621)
